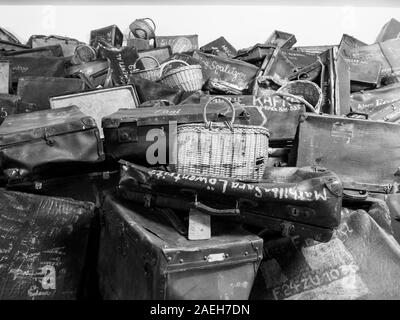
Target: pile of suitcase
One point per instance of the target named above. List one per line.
(142, 166)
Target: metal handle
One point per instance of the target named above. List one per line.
(216, 212)
(292, 96)
(171, 61)
(365, 115)
(154, 25)
(208, 123)
(148, 57)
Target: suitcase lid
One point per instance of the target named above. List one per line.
(25, 127)
(230, 245)
(374, 176)
(188, 113)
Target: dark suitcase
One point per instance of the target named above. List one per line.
(43, 242)
(38, 90)
(180, 43)
(11, 104)
(47, 51)
(99, 103)
(111, 35)
(256, 53)
(219, 45)
(365, 154)
(68, 45)
(289, 201)
(237, 75)
(149, 90)
(390, 30)
(36, 67)
(365, 101)
(143, 257)
(126, 131)
(279, 115)
(5, 77)
(93, 73)
(281, 39)
(47, 142)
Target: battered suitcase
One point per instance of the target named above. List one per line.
(45, 143)
(219, 45)
(94, 73)
(281, 39)
(68, 45)
(365, 101)
(128, 132)
(237, 75)
(38, 90)
(290, 201)
(43, 242)
(180, 43)
(142, 257)
(111, 35)
(100, 102)
(279, 115)
(365, 154)
(5, 77)
(36, 66)
(11, 104)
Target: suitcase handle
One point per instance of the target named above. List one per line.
(359, 114)
(216, 212)
(292, 96)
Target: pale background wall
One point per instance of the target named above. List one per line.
(243, 25)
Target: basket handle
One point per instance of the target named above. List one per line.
(148, 57)
(136, 34)
(292, 96)
(154, 25)
(230, 123)
(169, 62)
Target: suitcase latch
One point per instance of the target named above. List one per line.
(127, 134)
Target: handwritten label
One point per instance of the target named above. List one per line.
(222, 185)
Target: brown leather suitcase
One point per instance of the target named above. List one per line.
(68, 45)
(110, 34)
(142, 257)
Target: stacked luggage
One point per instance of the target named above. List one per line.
(149, 167)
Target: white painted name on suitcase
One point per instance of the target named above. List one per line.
(259, 191)
(223, 68)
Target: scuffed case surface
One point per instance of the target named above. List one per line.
(43, 242)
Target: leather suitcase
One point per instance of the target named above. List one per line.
(43, 242)
(143, 258)
(36, 67)
(149, 90)
(279, 116)
(390, 30)
(256, 53)
(93, 73)
(12, 104)
(5, 77)
(180, 43)
(125, 131)
(47, 51)
(68, 45)
(281, 39)
(363, 153)
(110, 34)
(100, 102)
(219, 45)
(45, 143)
(38, 90)
(365, 101)
(290, 201)
(236, 74)
(389, 112)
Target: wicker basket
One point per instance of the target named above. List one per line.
(149, 74)
(141, 29)
(222, 149)
(188, 78)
